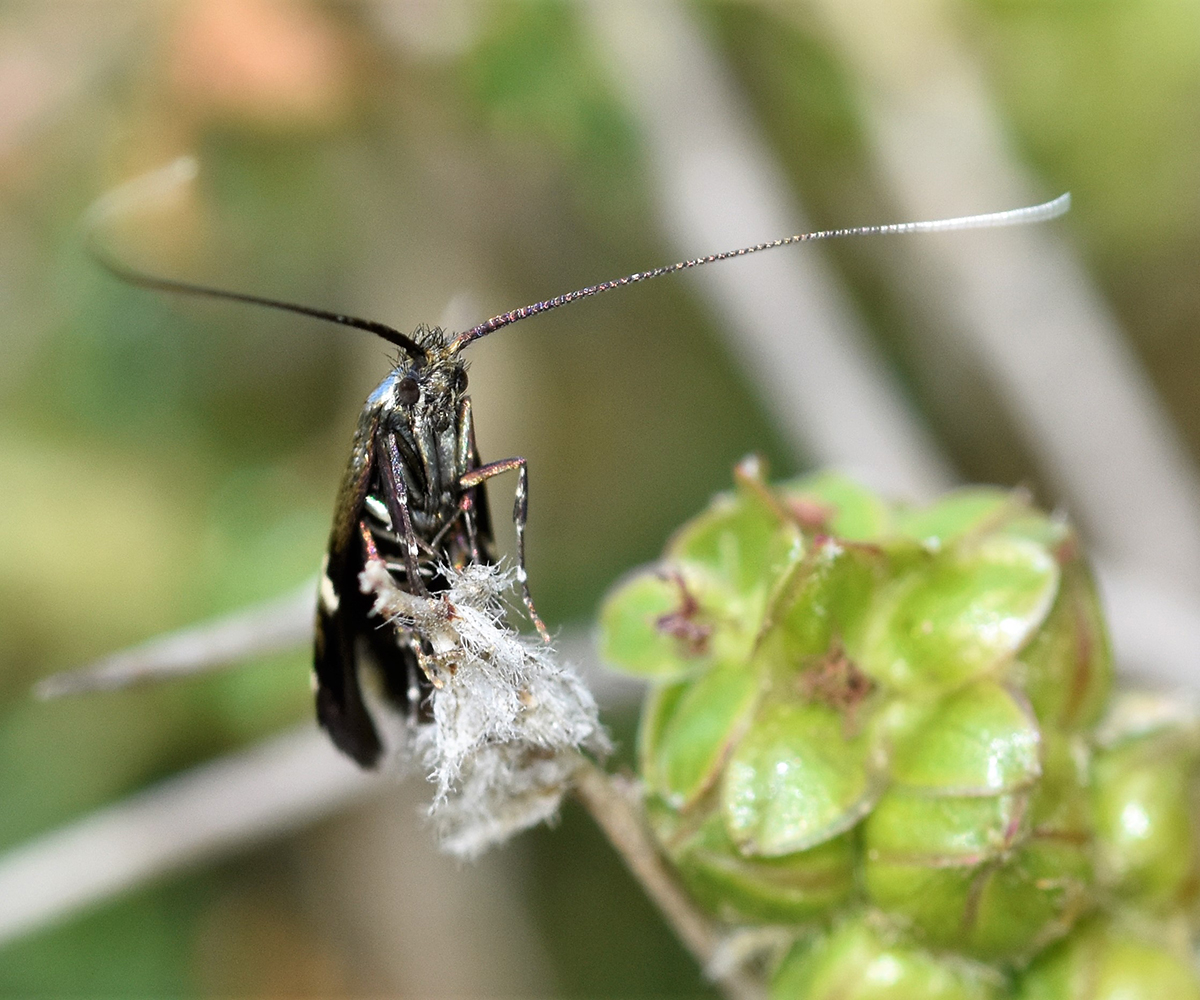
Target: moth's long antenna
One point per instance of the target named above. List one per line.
(157, 183)
(1012, 217)
(406, 344)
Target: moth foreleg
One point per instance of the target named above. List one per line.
(467, 455)
(520, 514)
(395, 496)
(466, 434)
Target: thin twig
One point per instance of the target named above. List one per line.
(273, 626)
(256, 794)
(621, 821)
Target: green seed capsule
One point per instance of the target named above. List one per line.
(1067, 667)
(831, 504)
(696, 737)
(957, 515)
(741, 540)
(942, 831)
(823, 601)
(1146, 835)
(633, 637)
(796, 779)
(981, 740)
(1060, 805)
(792, 889)
(880, 727)
(860, 962)
(1104, 961)
(960, 616)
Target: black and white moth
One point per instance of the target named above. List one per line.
(414, 493)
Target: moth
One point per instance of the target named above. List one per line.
(414, 494)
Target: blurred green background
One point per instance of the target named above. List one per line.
(162, 461)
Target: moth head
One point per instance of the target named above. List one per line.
(432, 387)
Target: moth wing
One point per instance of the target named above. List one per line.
(342, 611)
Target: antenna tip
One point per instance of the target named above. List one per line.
(144, 189)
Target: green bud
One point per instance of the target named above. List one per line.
(790, 889)
(1067, 667)
(830, 504)
(1146, 835)
(741, 540)
(959, 616)
(694, 733)
(981, 740)
(796, 779)
(857, 961)
(964, 512)
(1103, 961)
(653, 625)
(858, 706)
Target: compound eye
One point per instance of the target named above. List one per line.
(460, 380)
(407, 391)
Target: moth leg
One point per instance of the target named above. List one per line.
(520, 515)
(395, 496)
(466, 433)
(437, 539)
(467, 455)
(466, 507)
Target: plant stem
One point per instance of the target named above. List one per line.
(616, 813)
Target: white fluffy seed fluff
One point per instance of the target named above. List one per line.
(509, 720)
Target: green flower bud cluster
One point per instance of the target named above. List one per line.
(891, 730)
